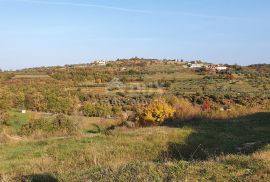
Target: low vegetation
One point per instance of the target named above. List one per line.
(154, 113)
(220, 150)
(135, 120)
(59, 125)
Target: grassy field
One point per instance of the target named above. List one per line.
(17, 119)
(221, 150)
(23, 76)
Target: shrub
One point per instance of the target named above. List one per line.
(116, 110)
(155, 113)
(59, 125)
(206, 106)
(59, 101)
(3, 117)
(184, 110)
(95, 110)
(129, 124)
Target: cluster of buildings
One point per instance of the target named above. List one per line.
(100, 63)
(196, 65)
(208, 67)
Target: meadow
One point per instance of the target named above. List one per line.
(29, 76)
(202, 150)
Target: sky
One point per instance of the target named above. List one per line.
(58, 32)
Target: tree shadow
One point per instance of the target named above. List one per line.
(212, 138)
(39, 178)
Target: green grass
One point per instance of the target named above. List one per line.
(17, 119)
(194, 151)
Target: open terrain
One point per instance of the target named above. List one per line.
(232, 150)
(135, 120)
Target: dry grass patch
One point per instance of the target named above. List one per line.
(31, 77)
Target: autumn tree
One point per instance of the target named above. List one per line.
(35, 101)
(155, 113)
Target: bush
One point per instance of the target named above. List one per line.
(3, 117)
(60, 125)
(94, 110)
(184, 110)
(116, 110)
(155, 113)
(206, 105)
(129, 124)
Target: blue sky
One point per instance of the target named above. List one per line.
(58, 32)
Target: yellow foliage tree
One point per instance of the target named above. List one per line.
(155, 113)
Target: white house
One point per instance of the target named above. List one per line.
(196, 66)
(100, 63)
(213, 67)
(221, 68)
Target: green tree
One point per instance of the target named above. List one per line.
(95, 110)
